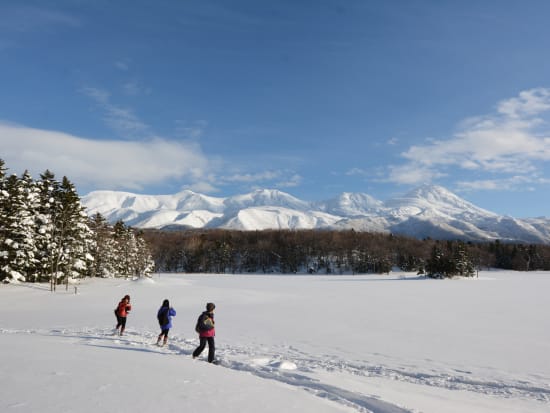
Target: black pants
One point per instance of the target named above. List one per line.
(121, 322)
(211, 348)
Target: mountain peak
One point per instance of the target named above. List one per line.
(422, 212)
(433, 193)
(266, 197)
(438, 200)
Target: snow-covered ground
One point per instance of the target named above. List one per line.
(390, 343)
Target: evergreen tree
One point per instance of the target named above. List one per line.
(436, 264)
(103, 249)
(462, 263)
(144, 263)
(19, 229)
(45, 234)
(81, 236)
(46, 220)
(4, 200)
(72, 236)
(452, 261)
(134, 258)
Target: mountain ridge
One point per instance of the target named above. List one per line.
(426, 211)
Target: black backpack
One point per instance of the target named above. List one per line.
(202, 324)
(163, 316)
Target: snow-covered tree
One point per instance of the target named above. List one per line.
(4, 200)
(19, 248)
(45, 234)
(46, 219)
(462, 263)
(449, 261)
(72, 235)
(145, 264)
(104, 250)
(134, 258)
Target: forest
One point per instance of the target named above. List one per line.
(333, 252)
(46, 235)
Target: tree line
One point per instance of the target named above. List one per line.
(333, 252)
(46, 235)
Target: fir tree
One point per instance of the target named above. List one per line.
(103, 249)
(19, 229)
(4, 200)
(46, 220)
(76, 237)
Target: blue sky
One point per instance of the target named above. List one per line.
(314, 98)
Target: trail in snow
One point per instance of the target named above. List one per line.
(288, 365)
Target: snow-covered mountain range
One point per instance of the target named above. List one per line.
(428, 211)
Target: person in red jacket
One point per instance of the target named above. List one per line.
(121, 312)
(206, 329)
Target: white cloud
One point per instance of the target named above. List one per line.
(410, 174)
(357, 171)
(123, 120)
(203, 187)
(513, 183)
(528, 103)
(508, 142)
(122, 65)
(291, 182)
(250, 178)
(105, 164)
(275, 178)
(135, 88)
(190, 130)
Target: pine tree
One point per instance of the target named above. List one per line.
(45, 234)
(19, 229)
(104, 248)
(462, 264)
(133, 255)
(144, 264)
(435, 266)
(4, 200)
(46, 221)
(72, 236)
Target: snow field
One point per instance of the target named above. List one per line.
(382, 344)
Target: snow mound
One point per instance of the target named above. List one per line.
(284, 365)
(144, 280)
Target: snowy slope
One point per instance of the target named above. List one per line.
(428, 211)
(265, 217)
(265, 197)
(350, 204)
(435, 201)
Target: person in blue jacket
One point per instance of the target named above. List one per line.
(164, 317)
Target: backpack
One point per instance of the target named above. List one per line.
(204, 323)
(162, 316)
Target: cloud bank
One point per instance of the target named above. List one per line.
(509, 144)
(106, 164)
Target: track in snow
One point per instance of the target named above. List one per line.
(290, 366)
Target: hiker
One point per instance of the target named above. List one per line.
(205, 328)
(121, 313)
(164, 315)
